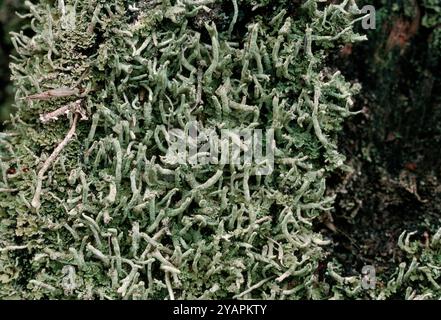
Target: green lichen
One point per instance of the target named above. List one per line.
(88, 206)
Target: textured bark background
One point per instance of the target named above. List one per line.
(8, 22)
(394, 146)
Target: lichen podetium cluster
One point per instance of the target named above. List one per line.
(88, 206)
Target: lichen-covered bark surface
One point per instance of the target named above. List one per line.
(394, 150)
(91, 207)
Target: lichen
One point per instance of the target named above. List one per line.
(88, 206)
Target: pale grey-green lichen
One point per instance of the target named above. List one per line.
(103, 217)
